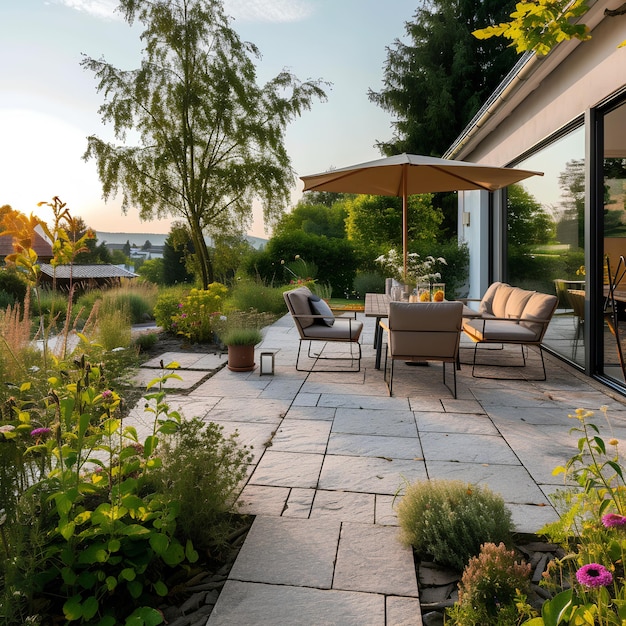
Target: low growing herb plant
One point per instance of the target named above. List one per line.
(449, 520)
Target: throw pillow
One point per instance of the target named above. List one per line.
(320, 307)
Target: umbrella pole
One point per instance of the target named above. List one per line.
(405, 225)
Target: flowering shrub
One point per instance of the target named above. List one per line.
(198, 311)
(492, 589)
(425, 270)
(588, 582)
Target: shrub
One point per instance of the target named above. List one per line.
(166, 306)
(450, 519)
(12, 283)
(247, 294)
(491, 584)
(138, 300)
(6, 299)
(113, 328)
(203, 471)
(369, 282)
(146, 341)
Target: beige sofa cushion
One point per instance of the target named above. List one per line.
(516, 302)
(500, 299)
(498, 330)
(540, 306)
(486, 303)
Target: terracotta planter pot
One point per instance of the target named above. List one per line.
(241, 358)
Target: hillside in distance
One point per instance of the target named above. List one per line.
(156, 239)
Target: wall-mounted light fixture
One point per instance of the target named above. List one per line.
(267, 364)
(466, 218)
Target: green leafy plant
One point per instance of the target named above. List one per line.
(449, 520)
(202, 470)
(588, 583)
(108, 533)
(167, 307)
(492, 590)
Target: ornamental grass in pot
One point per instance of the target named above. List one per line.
(240, 331)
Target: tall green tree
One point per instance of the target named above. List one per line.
(317, 219)
(528, 222)
(376, 221)
(435, 83)
(176, 251)
(209, 138)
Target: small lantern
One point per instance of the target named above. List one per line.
(267, 364)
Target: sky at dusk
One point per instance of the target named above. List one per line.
(49, 104)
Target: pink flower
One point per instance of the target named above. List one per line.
(37, 433)
(610, 520)
(594, 575)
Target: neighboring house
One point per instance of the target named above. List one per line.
(39, 245)
(84, 276)
(564, 115)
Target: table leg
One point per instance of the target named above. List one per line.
(378, 341)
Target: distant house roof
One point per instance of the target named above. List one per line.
(83, 272)
(39, 245)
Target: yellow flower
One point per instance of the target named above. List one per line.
(613, 442)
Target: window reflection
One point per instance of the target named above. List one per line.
(545, 237)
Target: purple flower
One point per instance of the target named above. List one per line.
(40, 432)
(107, 394)
(610, 520)
(594, 575)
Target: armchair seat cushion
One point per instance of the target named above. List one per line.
(492, 330)
(341, 330)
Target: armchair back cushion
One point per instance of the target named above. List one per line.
(298, 304)
(426, 330)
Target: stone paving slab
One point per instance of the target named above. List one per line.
(392, 423)
(188, 378)
(344, 506)
(253, 604)
(302, 436)
(376, 446)
(283, 551)
(467, 423)
(369, 475)
(288, 469)
(512, 482)
(370, 558)
(467, 448)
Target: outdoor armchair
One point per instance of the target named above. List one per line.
(315, 322)
(423, 331)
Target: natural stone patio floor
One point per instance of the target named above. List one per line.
(332, 452)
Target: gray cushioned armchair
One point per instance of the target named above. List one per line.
(313, 326)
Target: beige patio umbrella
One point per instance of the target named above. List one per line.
(406, 174)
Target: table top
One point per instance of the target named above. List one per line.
(377, 305)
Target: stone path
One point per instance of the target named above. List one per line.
(333, 451)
